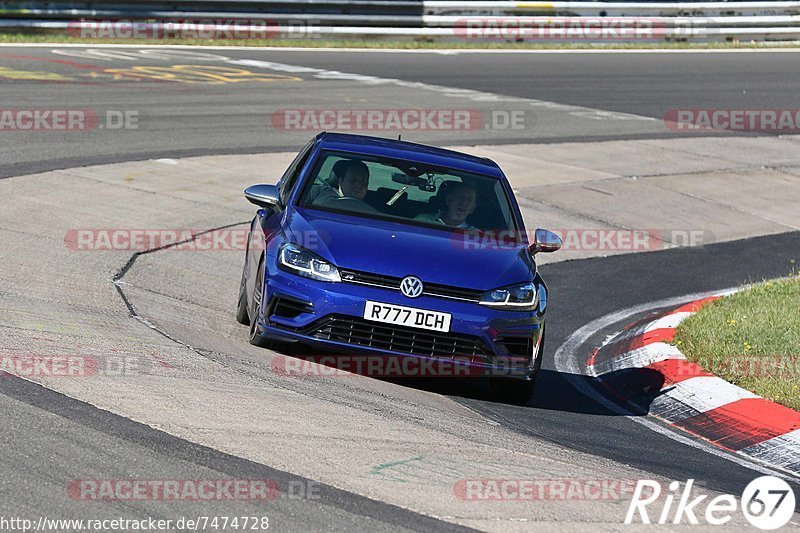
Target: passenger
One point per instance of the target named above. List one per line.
(352, 184)
(460, 202)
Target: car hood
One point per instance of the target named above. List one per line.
(398, 250)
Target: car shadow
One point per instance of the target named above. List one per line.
(630, 391)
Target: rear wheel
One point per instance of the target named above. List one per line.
(517, 391)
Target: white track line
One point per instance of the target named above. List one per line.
(368, 80)
(454, 92)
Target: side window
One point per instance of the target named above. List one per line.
(380, 176)
(289, 178)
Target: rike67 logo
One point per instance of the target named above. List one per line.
(767, 503)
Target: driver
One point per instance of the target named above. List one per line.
(352, 184)
(460, 202)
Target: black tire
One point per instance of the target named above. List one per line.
(255, 338)
(242, 316)
(517, 391)
(255, 308)
(513, 391)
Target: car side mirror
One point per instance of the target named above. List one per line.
(263, 195)
(545, 241)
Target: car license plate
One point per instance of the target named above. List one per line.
(407, 316)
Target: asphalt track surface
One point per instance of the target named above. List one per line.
(54, 436)
(234, 117)
(51, 431)
(642, 84)
(589, 289)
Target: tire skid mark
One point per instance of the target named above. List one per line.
(119, 285)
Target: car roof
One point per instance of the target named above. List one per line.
(409, 151)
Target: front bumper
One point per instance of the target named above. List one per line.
(329, 316)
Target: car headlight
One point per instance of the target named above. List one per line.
(304, 263)
(522, 297)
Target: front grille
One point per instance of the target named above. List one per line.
(429, 289)
(445, 291)
(354, 276)
(398, 338)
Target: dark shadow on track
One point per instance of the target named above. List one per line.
(633, 390)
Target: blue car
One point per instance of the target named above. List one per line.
(387, 249)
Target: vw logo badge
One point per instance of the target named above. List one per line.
(411, 286)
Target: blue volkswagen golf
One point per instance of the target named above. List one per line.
(390, 249)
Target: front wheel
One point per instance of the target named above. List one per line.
(512, 391)
(255, 338)
(518, 392)
(242, 313)
(242, 316)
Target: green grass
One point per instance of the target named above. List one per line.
(751, 338)
(384, 43)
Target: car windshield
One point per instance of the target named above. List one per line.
(408, 192)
